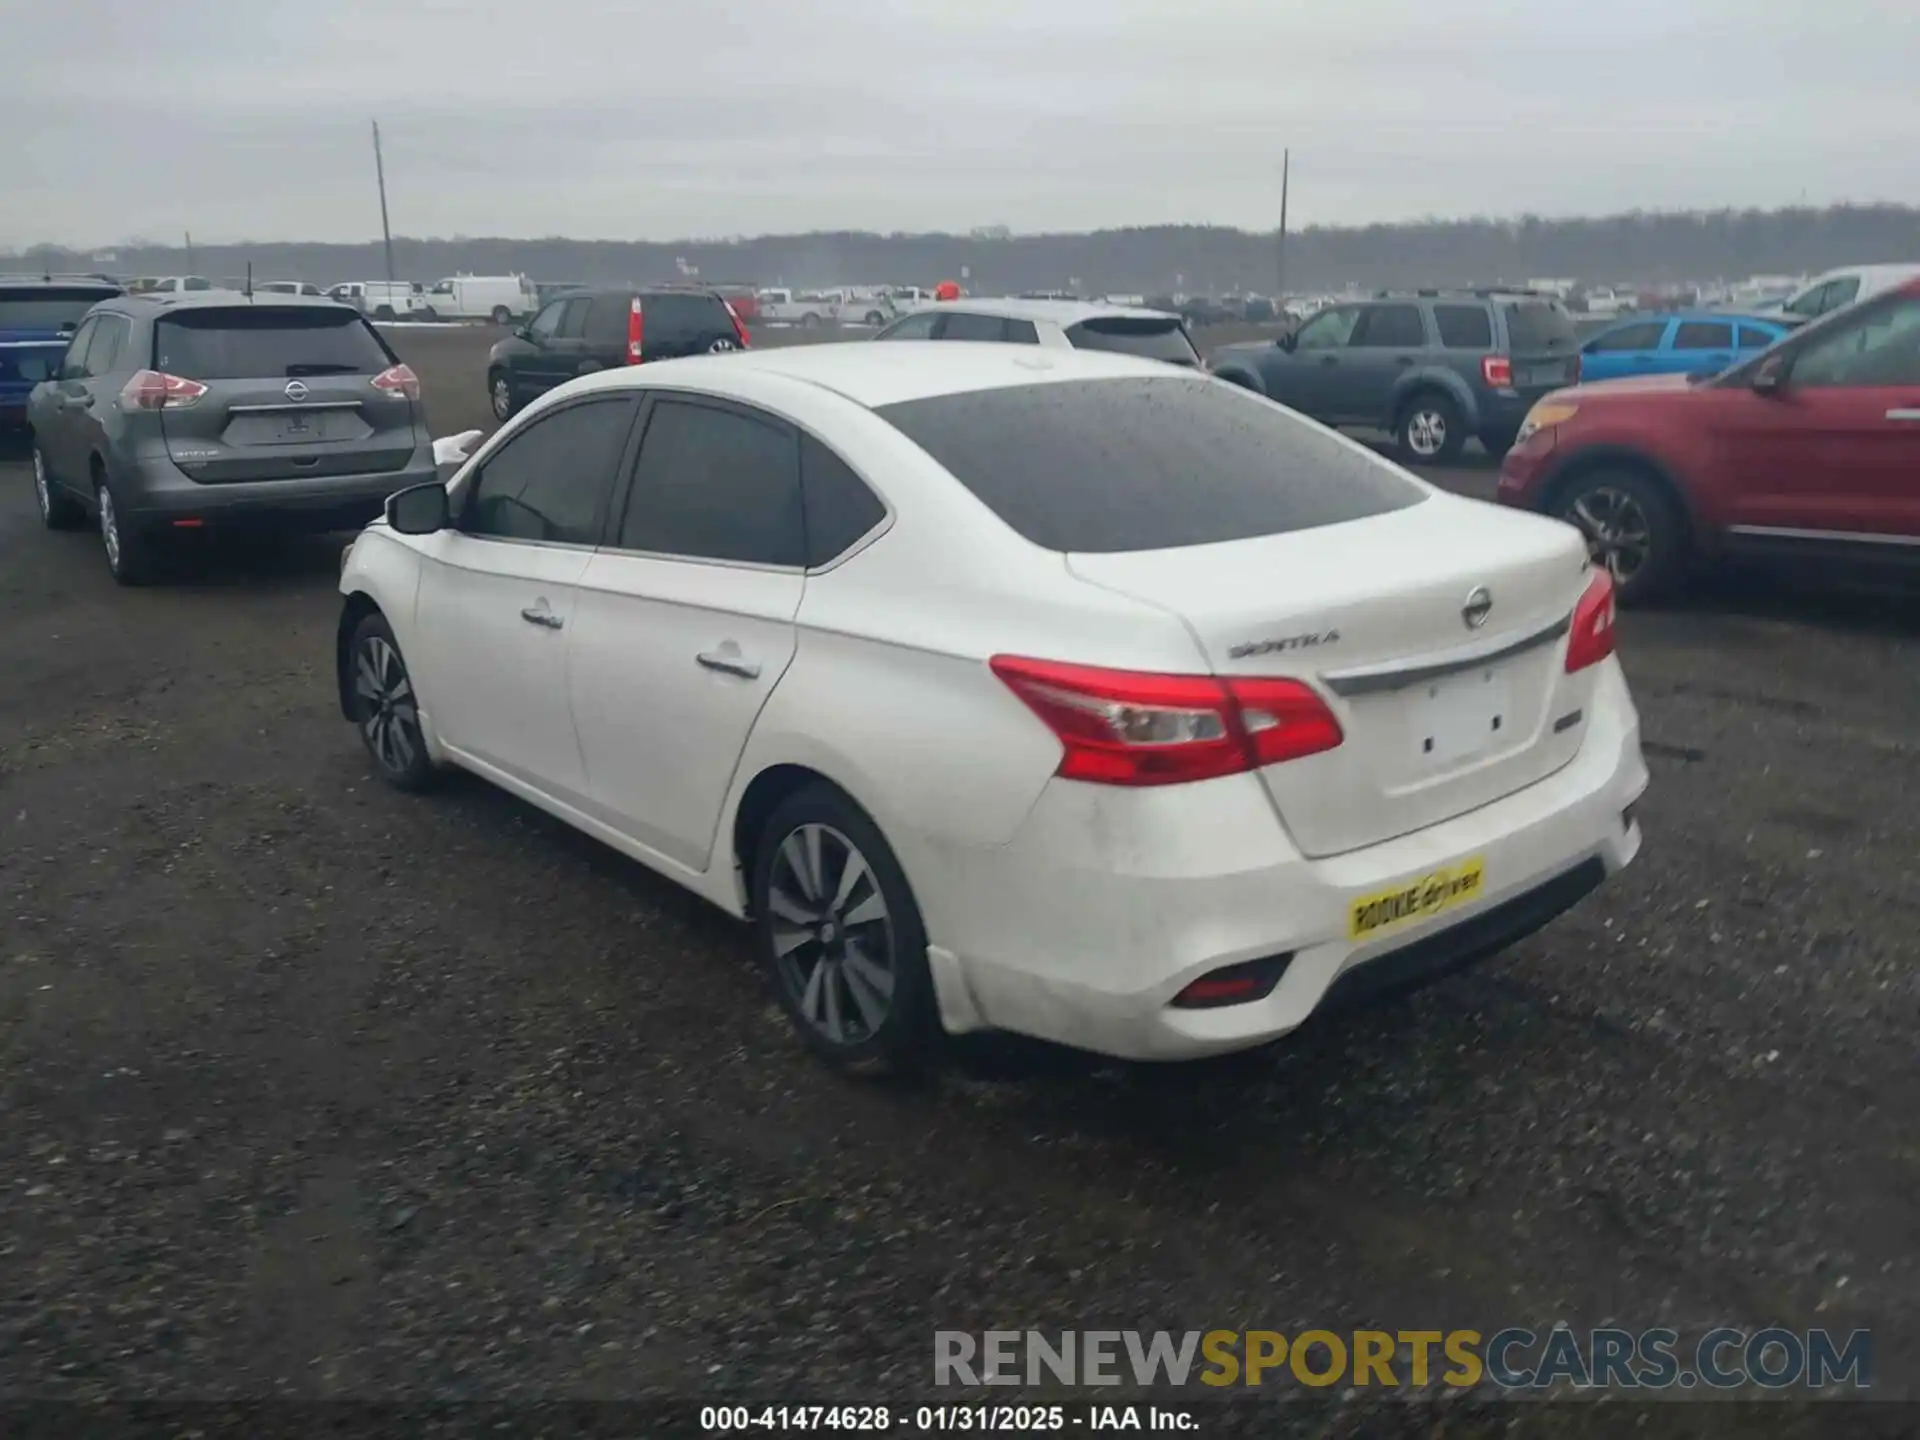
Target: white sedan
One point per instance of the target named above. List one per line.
(1057, 692)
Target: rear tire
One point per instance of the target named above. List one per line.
(1632, 527)
(385, 312)
(809, 321)
(847, 956)
(1428, 431)
(385, 708)
(430, 314)
(58, 510)
(133, 557)
(500, 397)
(502, 316)
(876, 319)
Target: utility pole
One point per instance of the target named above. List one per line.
(1280, 258)
(380, 173)
(189, 252)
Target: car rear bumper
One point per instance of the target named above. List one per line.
(160, 496)
(1107, 904)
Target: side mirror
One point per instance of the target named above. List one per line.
(522, 332)
(454, 449)
(1771, 377)
(1287, 341)
(418, 509)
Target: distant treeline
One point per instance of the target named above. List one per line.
(1649, 248)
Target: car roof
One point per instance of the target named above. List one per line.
(1688, 316)
(1865, 272)
(1061, 312)
(41, 282)
(887, 374)
(168, 300)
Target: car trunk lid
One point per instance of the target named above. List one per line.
(1543, 344)
(1440, 714)
(290, 395)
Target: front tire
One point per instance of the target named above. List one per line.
(876, 319)
(502, 316)
(385, 312)
(386, 711)
(1428, 431)
(500, 395)
(1632, 527)
(842, 938)
(58, 511)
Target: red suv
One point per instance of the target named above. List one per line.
(1810, 449)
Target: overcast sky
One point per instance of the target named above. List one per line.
(638, 119)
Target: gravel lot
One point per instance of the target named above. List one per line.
(311, 1089)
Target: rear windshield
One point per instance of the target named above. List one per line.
(261, 342)
(1147, 463)
(1153, 339)
(48, 308)
(1540, 325)
(679, 313)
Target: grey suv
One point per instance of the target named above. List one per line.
(179, 413)
(1434, 367)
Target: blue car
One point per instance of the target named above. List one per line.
(37, 318)
(1693, 343)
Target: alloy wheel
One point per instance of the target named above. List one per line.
(502, 398)
(1618, 532)
(832, 934)
(1426, 432)
(391, 715)
(109, 528)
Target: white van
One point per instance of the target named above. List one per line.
(499, 298)
(1838, 288)
(380, 299)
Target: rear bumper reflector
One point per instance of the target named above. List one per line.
(1240, 984)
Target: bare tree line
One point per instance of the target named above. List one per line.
(1642, 247)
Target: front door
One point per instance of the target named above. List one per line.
(1835, 450)
(1305, 375)
(685, 621)
(498, 594)
(541, 365)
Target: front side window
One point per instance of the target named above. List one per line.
(74, 365)
(1880, 349)
(110, 333)
(1641, 335)
(547, 322)
(573, 318)
(716, 484)
(1812, 302)
(551, 481)
(962, 325)
(1329, 330)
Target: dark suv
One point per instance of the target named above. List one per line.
(1434, 367)
(589, 330)
(184, 412)
(37, 319)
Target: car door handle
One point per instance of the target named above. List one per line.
(728, 664)
(1913, 414)
(1330, 360)
(539, 615)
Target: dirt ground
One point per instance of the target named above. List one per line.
(309, 1089)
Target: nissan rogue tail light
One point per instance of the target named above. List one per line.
(1497, 371)
(155, 390)
(1123, 727)
(636, 333)
(1592, 639)
(399, 381)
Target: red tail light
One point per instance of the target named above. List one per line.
(738, 329)
(1592, 639)
(636, 333)
(1123, 727)
(1497, 370)
(398, 381)
(154, 390)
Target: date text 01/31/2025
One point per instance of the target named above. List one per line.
(940, 1419)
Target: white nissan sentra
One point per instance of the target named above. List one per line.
(1057, 692)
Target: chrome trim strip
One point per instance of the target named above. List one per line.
(1374, 679)
(1787, 532)
(302, 408)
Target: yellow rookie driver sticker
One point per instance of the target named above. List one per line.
(1416, 900)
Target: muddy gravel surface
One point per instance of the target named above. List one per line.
(312, 1090)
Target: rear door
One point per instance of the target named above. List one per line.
(57, 428)
(685, 323)
(1542, 344)
(1701, 347)
(290, 394)
(1389, 341)
(685, 620)
(1630, 349)
(1149, 336)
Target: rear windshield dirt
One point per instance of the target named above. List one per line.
(1540, 325)
(1101, 466)
(1153, 339)
(262, 342)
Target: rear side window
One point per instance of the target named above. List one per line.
(551, 482)
(914, 327)
(670, 314)
(1540, 325)
(260, 342)
(1464, 327)
(1389, 327)
(963, 325)
(607, 320)
(839, 506)
(103, 350)
(1147, 463)
(714, 484)
(1703, 335)
(1148, 337)
(46, 308)
(1021, 332)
